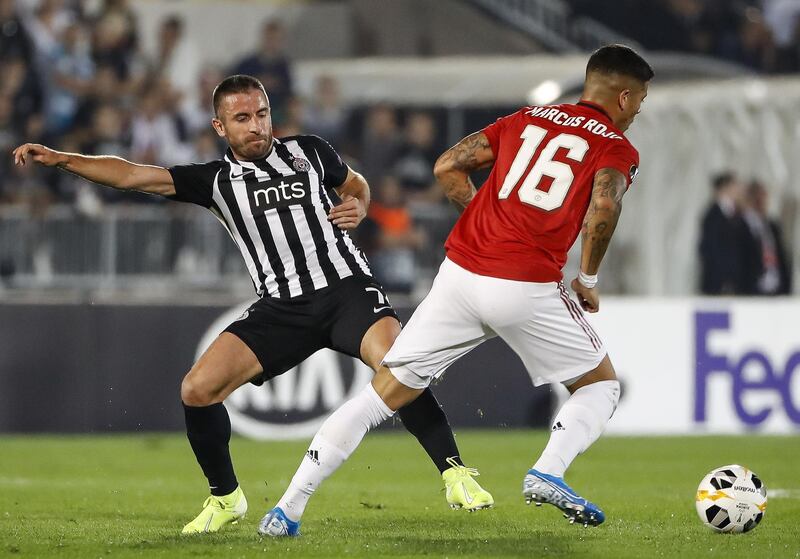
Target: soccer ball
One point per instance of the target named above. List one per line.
(731, 499)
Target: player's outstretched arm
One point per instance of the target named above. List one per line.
(599, 223)
(453, 167)
(107, 170)
(354, 192)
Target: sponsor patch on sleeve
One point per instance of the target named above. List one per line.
(634, 170)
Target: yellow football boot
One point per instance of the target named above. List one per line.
(462, 491)
(217, 512)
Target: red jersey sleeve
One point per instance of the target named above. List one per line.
(495, 129)
(623, 157)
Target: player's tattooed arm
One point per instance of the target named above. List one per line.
(601, 217)
(453, 167)
(103, 169)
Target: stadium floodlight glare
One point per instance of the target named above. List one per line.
(544, 93)
(756, 91)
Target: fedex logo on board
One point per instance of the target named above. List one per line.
(752, 371)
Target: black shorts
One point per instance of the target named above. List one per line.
(284, 332)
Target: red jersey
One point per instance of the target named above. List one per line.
(528, 213)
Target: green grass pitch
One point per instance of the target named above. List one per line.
(129, 496)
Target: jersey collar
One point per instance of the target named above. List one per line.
(597, 108)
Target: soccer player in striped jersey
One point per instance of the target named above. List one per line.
(556, 171)
(315, 286)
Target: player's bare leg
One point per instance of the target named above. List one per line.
(226, 365)
(578, 424)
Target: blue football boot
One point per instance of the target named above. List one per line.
(544, 488)
(276, 525)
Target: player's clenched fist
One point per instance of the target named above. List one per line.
(39, 153)
(587, 296)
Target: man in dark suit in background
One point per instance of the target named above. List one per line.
(723, 231)
(765, 265)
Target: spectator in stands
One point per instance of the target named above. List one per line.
(324, 114)
(416, 157)
(177, 62)
(734, 30)
(294, 119)
(198, 112)
(271, 65)
(395, 238)
(685, 17)
(155, 137)
(8, 140)
(766, 267)
(114, 42)
(206, 146)
(380, 143)
(108, 134)
(47, 26)
(783, 18)
(15, 41)
(105, 90)
(20, 84)
(69, 74)
(722, 235)
(752, 45)
(29, 188)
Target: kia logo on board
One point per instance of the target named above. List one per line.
(294, 404)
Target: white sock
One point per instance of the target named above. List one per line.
(335, 441)
(578, 424)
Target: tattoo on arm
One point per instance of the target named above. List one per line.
(601, 217)
(453, 167)
(466, 155)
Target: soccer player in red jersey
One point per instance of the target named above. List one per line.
(556, 171)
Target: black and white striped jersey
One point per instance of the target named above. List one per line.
(276, 210)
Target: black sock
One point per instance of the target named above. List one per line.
(209, 432)
(425, 419)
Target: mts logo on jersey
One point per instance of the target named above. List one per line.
(760, 383)
(279, 193)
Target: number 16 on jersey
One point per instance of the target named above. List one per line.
(561, 173)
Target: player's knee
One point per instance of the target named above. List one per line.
(194, 392)
(377, 341)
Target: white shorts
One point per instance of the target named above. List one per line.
(539, 321)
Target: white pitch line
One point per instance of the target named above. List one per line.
(783, 493)
(15, 481)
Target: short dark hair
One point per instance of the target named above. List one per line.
(755, 188)
(619, 59)
(175, 22)
(238, 83)
(721, 180)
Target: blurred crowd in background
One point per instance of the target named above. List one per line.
(80, 82)
(763, 35)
